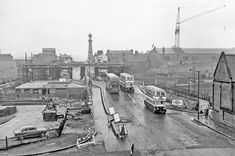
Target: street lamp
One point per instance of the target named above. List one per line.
(198, 96)
(198, 91)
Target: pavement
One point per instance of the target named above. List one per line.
(217, 126)
(221, 128)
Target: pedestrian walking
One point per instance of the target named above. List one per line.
(132, 149)
(210, 113)
(206, 113)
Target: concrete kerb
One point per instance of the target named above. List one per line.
(106, 112)
(187, 111)
(52, 151)
(214, 129)
(141, 88)
(113, 129)
(102, 98)
(21, 144)
(61, 149)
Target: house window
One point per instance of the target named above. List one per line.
(18, 91)
(35, 91)
(26, 91)
(51, 91)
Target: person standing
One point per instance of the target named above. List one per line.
(206, 113)
(210, 113)
(122, 130)
(132, 149)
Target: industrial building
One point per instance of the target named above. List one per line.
(44, 66)
(61, 89)
(171, 61)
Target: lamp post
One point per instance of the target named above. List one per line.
(198, 90)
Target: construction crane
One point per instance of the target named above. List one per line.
(178, 22)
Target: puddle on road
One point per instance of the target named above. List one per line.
(125, 120)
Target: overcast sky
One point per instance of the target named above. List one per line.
(29, 25)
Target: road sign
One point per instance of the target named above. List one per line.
(177, 102)
(116, 117)
(111, 110)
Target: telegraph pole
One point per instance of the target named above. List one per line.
(198, 97)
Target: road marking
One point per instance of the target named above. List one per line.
(131, 98)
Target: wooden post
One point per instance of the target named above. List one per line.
(6, 143)
(198, 96)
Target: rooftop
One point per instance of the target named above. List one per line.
(231, 64)
(197, 50)
(48, 84)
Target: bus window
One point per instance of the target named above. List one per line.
(155, 102)
(163, 94)
(158, 93)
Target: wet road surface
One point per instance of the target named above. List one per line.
(152, 132)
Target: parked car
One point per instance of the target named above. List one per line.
(29, 132)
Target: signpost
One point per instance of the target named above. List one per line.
(177, 102)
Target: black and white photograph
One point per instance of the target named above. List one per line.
(117, 77)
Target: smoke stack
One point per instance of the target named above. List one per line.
(163, 51)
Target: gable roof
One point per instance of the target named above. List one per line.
(231, 64)
(154, 58)
(229, 60)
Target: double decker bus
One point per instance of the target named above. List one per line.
(126, 82)
(112, 83)
(154, 99)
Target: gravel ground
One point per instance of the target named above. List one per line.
(6, 118)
